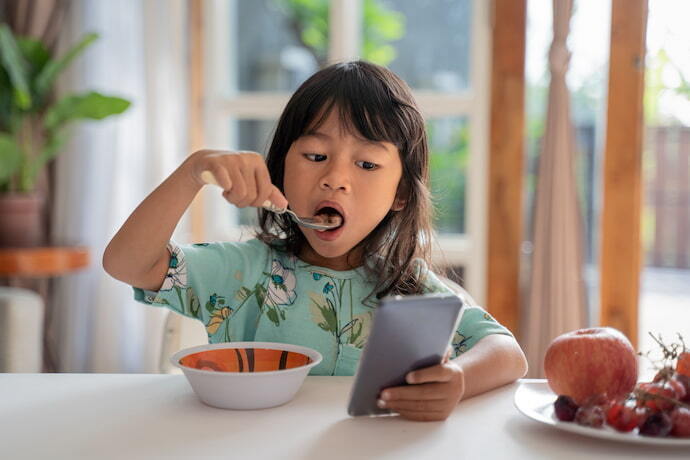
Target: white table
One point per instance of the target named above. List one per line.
(158, 416)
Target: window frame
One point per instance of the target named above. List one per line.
(219, 106)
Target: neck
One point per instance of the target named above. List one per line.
(348, 261)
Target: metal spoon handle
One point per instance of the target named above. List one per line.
(308, 222)
(303, 221)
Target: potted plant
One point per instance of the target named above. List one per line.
(33, 128)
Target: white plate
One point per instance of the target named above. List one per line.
(535, 400)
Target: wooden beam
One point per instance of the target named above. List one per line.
(621, 245)
(196, 108)
(507, 128)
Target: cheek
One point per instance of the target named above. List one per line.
(289, 172)
(391, 189)
(292, 184)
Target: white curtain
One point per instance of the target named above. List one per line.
(108, 167)
(557, 297)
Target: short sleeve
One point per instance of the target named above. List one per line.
(475, 322)
(203, 278)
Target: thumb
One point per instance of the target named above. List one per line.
(278, 199)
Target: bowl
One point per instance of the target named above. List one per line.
(246, 375)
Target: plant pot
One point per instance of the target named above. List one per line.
(21, 221)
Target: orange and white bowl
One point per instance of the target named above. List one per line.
(246, 375)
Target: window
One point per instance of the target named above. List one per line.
(587, 79)
(259, 51)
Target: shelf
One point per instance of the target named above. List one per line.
(42, 261)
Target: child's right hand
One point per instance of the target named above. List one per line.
(242, 175)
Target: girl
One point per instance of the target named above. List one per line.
(350, 143)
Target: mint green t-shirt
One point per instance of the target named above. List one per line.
(251, 292)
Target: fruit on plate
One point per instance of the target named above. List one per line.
(684, 381)
(680, 417)
(656, 424)
(590, 416)
(624, 415)
(565, 408)
(589, 362)
(683, 365)
(656, 408)
(656, 396)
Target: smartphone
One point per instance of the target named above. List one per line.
(407, 333)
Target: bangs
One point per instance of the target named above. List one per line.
(366, 106)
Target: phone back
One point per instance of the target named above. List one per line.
(408, 333)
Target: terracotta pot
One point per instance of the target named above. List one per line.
(21, 222)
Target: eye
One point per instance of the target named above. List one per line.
(368, 165)
(315, 157)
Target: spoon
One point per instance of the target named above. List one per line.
(317, 223)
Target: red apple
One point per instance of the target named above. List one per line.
(590, 362)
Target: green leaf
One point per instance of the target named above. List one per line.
(45, 79)
(35, 53)
(356, 333)
(10, 157)
(16, 67)
(90, 105)
(330, 323)
(260, 294)
(273, 316)
(193, 301)
(52, 146)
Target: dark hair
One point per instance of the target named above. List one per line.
(376, 104)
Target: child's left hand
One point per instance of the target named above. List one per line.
(433, 394)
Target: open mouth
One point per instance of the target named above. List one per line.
(330, 215)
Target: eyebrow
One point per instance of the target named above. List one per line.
(326, 137)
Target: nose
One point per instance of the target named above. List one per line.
(335, 178)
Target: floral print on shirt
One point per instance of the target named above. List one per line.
(327, 307)
(252, 292)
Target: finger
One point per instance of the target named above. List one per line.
(277, 198)
(221, 177)
(427, 391)
(264, 186)
(415, 406)
(438, 373)
(251, 191)
(239, 188)
(424, 416)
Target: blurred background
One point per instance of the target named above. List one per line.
(164, 78)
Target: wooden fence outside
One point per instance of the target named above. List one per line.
(667, 196)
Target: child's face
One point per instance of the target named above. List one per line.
(358, 177)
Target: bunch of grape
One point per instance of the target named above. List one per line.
(657, 408)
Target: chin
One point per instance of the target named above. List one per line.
(329, 250)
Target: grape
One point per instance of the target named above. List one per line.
(685, 381)
(683, 363)
(656, 424)
(565, 408)
(678, 382)
(681, 422)
(650, 390)
(664, 374)
(678, 388)
(590, 416)
(624, 417)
